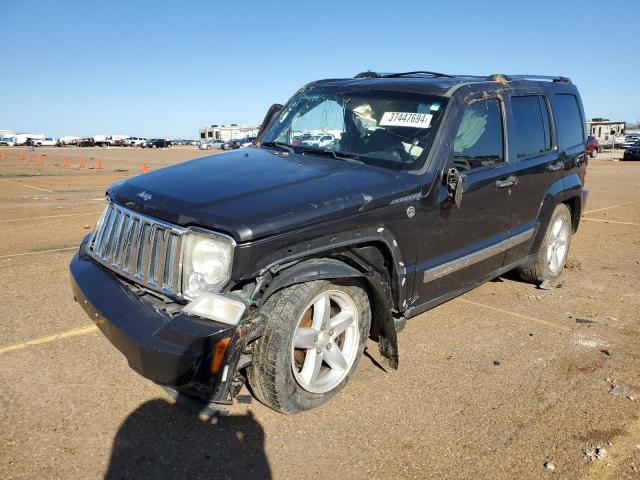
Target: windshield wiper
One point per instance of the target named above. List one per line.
(283, 146)
(332, 153)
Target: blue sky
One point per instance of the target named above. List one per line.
(169, 68)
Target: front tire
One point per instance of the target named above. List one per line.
(594, 153)
(552, 255)
(314, 337)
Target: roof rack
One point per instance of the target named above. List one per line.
(497, 77)
(370, 74)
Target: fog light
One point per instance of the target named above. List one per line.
(216, 307)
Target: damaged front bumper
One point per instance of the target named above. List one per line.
(162, 344)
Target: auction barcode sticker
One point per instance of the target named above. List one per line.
(406, 119)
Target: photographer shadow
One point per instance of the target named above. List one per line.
(160, 440)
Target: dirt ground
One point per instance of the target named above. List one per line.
(494, 384)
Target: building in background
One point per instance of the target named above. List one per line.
(228, 132)
(603, 129)
(7, 133)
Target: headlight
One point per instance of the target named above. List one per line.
(206, 264)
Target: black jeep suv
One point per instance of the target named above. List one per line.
(275, 263)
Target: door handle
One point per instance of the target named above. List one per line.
(554, 167)
(507, 182)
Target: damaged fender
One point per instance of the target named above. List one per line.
(383, 326)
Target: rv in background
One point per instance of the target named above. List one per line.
(21, 138)
(68, 140)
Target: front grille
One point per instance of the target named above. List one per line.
(142, 249)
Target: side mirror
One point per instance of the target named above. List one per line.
(272, 113)
(455, 185)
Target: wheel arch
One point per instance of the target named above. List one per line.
(369, 263)
(567, 190)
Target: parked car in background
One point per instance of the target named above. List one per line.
(136, 141)
(86, 142)
(184, 142)
(245, 142)
(318, 140)
(630, 140)
(231, 144)
(9, 141)
(616, 140)
(632, 152)
(593, 146)
(157, 143)
(211, 145)
(46, 142)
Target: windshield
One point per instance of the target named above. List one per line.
(388, 129)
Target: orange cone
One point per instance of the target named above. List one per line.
(81, 165)
(145, 168)
(98, 165)
(66, 162)
(40, 159)
(30, 158)
(20, 156)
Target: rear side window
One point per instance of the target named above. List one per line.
(478, 141)
(532, 135)
(568, 120)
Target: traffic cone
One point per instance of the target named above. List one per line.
(98, 165)
(66, 162)
(40, 159)
(145, 168)
(30, 158)
(81, 165)
(20, 156)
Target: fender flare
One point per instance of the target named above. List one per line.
(561, 190)
(307, 271)
(383, 325)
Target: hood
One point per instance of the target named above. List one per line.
(256, 192)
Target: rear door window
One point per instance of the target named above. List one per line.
(479, 139)
(568, 120)
(531, 134)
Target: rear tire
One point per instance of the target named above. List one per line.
(594, 153)
(552, 255)
(301, 331)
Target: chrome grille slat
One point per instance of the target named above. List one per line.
(159, 258)
(142, 270)
(176, 263)
(135, 247)
(105, 233)
(140, 248)
(116, 238)
(123, 242)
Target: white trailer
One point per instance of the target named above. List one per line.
(21, 138)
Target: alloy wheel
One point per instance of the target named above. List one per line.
(325, 342)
